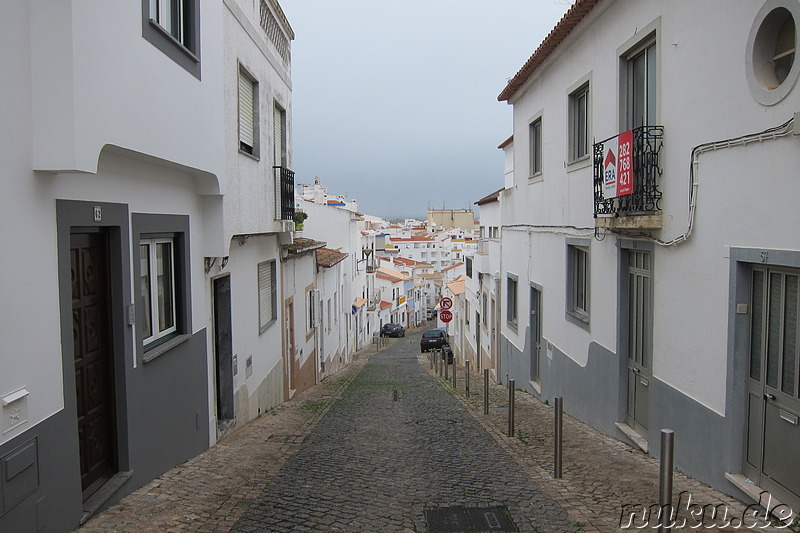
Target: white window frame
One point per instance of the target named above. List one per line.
(267, 306)
(155, 314)
(535, 128)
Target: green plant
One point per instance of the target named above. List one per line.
(300, 217)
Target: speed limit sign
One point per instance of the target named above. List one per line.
(446, 303)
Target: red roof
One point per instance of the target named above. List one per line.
(414, 238)
(328, 258)
(452, 267)
(393, 279)
(564, 27)
(385, 304)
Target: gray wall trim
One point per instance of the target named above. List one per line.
(188, 59)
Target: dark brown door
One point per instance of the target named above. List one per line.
(94, 369)
(223, 347)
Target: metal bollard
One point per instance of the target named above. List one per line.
(486, 391)
(558, 437)
(444, 356)
(430, 356)
(665, 480)
(455, 374)
(466, 378)
(511, 384)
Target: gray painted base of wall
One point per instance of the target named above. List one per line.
(596, 395)
(167, 424)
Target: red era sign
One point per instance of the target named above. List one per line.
(445, 315)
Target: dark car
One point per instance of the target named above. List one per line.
(393, 330)
(433, 339)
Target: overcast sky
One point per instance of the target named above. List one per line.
(395, 102)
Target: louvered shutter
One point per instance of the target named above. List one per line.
(246, 126)
(278, 127)
(266, 294)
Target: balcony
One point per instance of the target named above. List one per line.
(635, 207)
(284, 193)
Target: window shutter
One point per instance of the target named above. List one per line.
(266, 293)
(246, 127)
(278, 127)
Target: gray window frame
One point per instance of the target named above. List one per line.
(186, 52)
(512, 300)
(274, 302)
(575, 288)
(579, 126)
(535, 147)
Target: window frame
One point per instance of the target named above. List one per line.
(579, 126)
(145, 226)
(578, 282)
(512, 300)
(535, 155)
(183, 49)
(153, 312)
(243, 76)
(468, 266)
(273, 307)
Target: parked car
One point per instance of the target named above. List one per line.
(433, 339)
(393, 330)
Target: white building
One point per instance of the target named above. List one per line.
(671, 305)
(126, 152)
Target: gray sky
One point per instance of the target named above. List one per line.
(395, 102)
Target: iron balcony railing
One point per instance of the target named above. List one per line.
(284, 193)
(646, 195)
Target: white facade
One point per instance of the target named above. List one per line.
(681, 365)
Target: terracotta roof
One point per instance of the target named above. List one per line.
(457, 286)
(385, 304)
(328, 258)
(506, 142)
(451, 267)
(556, 36)
(489, 198)
(301, 245)
(359, 302)
(391, 275)
(435, 275)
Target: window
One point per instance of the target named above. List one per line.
(248, 113)
(771, 52)
(466, 312)
(578, 283)
(267, 295)
(641, 87)
(579, 123)
(279, 141)
(469, 267)
(311, 310)
(511, 299)
(157, 288)
(535, 147)
(173, 26)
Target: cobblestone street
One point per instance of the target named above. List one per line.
(375, 446)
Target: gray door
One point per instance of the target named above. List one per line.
(773, 433)
(638, 341)
(536, 332)
(223, 347)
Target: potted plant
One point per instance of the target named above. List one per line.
(299, 218)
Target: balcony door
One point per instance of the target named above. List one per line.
(773, 456)
(638, 338)
(641, 86)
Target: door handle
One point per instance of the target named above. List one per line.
(769, 397)
(636, 370)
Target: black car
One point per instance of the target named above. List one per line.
(393, 330)
(433, 339)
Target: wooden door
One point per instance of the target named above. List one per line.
(223, 347)
(94, 364)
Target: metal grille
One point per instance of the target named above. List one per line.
(273, 31)
(284, 193)
(647, 143)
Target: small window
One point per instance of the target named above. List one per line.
(466, 312)
(311, 308)
(536, 147)
(469, 267)
(279, 131)
(173, 26)
(641, 87)
(578, 282)
(485, 306)
(157, 288)
(511, 299)
(771, 49)
(579, 124)
(267, 295)
(248, 113)
(175, 17)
